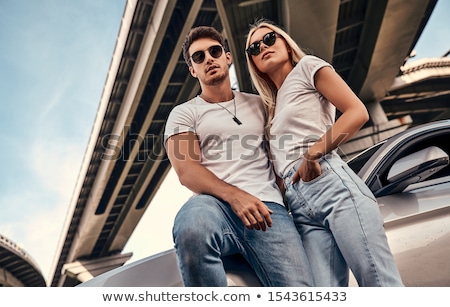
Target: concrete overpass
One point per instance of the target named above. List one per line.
(17, 268)
(422, 91)
(367, 41)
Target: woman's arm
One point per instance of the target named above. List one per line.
(354, 116)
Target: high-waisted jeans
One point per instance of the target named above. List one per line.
(341, 226)
(206, 228)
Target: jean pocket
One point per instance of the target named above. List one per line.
(326, 170)
(359, 183)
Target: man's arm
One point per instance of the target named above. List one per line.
(184, 154)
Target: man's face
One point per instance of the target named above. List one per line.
(213, 70)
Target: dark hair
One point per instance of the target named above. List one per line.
(202, 32)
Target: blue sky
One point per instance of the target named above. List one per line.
(54, 59)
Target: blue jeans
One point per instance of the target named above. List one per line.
(206, 228)
(341, 226)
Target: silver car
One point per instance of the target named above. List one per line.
(410, 176)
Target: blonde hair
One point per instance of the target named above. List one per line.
(261, 81)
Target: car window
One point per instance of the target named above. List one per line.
(357, 162)
(379, 183)
(439, 140)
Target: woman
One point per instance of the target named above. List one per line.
(333, 209)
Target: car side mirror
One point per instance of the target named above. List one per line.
(414, 168)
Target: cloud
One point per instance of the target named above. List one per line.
(56, 62)
(153, 234)
(36, 209)
(42, 244)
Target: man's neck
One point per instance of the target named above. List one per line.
(217, 93)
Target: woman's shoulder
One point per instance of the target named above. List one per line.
(310, 64)
(310, 59)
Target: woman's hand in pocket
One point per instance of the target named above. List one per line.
(307, 171)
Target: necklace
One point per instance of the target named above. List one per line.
(236, 120)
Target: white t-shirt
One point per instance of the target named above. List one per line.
(302, 115)
(234, 153)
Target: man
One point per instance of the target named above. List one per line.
(215, 144)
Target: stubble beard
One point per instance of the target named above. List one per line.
(216, 79)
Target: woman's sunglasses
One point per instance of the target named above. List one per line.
(268, 39)
(199, 56)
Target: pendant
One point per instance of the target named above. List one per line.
(237, 121)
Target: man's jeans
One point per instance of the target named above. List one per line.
(341, 226)
(206, 228)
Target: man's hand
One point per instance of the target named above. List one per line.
(253, 212)
(183, 151)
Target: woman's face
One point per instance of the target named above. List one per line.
(272, 53)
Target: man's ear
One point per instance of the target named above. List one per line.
(192, 71)
(229, 58)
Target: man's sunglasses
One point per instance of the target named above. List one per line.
(199, 56)
(268, 39)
